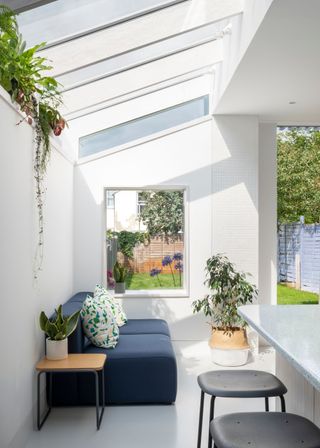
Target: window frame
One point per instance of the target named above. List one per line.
(153, 135)
(154, 293)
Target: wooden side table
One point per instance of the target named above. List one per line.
(75, 363)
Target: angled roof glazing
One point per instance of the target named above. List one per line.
(93, 45)
(148, 53)
(66, 19)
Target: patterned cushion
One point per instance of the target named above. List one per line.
(103, 295)
(99, 323)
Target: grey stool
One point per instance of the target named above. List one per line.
(264, 430)
(237, 384)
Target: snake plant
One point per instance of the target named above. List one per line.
(60, 327)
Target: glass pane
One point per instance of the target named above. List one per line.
(135, 57)
(65, 18)
(143, 126)
(148, 243)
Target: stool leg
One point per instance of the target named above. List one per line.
(200, 419)
(266, 404)
(210, 419)
(283, 404)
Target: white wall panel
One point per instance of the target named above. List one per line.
(268, 213)
(182, 158)
(235, 190)
(22, 299)
(218, 162)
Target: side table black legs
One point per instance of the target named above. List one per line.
(39, 421)
(99, 393)
(99, 415)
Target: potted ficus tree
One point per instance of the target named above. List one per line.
(58, 329)
(119, 275)
(229, 289)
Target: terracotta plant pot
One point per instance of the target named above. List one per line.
(229, 348)
(56, 350)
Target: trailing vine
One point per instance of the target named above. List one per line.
(38, 97)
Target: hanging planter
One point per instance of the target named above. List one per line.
(37, 96)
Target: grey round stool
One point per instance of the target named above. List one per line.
(237, 384)
(264, 430)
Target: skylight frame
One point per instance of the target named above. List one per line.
(160, 5)
(160, 114)
(20, 6)
(221, 25)
(137, 33)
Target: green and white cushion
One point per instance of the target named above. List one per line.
(99, 323)
(104, 295)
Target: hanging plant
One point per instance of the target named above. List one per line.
(38, 97)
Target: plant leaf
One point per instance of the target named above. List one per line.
(72, 322)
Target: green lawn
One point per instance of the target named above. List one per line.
(290, 296)
(145, 281)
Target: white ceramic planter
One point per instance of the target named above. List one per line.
(231, 357)
(56, 350)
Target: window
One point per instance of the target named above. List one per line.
(140, 202)
(144, 126)
(145, 235)
(110, 199)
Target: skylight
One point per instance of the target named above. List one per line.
(143, 55)
(143, 126)
(63, 20)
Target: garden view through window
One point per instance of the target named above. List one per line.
(298, 163)
(145, 239)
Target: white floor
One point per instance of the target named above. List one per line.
(149, 426)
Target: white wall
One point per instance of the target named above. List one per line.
(235, 190)
(268, 213)
(181, 158)
(235, 45)
(22, 300)
(218, 161)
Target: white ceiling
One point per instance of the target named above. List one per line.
(281, 65)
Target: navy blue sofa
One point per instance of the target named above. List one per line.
(140, 369)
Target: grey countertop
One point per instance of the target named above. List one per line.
(293, 330)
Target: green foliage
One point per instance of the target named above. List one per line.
(162, 213)
(23, 76)
(119, 273)
(61, 326)
(299, 175)
(229, 289)
(22, 71)
(127, 241)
